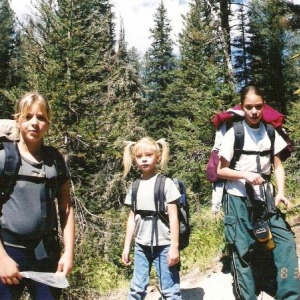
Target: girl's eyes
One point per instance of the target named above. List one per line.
(39, 117)
(146, 154)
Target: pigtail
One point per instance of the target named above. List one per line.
(164, 153)
(127, 157)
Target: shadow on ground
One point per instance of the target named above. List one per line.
(193, 293)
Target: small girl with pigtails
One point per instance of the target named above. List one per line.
(160, 246)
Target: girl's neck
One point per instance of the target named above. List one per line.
(148, 175)
(33, 152)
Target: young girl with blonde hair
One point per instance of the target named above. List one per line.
(160, 246)
(29, 239)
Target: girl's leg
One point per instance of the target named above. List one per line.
(168, 276)
(142, 267)
(286, 260)
(237, 233)
(39, 291)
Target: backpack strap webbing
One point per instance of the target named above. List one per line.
(159, 193)
(10, 171)
(239, 139)
(271, 133)
(135, 186)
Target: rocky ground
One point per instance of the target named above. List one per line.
(214, 284)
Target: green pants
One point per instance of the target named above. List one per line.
(254, 270)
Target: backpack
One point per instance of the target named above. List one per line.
(272, 119)
(182, 207)
(8, 137)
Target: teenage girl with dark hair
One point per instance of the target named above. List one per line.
(253, 169)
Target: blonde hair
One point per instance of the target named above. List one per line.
(160, 148)
(24, 104)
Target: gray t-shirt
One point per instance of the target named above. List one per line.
(30, 212)
(145, 201)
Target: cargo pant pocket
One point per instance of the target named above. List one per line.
(230, 223)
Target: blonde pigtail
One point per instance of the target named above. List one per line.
(165, 152)
(127, 157)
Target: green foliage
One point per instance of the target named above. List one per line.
(292, 165)
(7, 38)
(207, 241)
(98, 267)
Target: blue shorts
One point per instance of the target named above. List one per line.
(26, 259)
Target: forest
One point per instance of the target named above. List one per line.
(102, 93)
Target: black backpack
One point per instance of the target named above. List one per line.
(182, 207)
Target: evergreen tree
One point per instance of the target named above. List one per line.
(240, 45)
(201, 88)
(160, 63)
(268, 39)
(7, 37)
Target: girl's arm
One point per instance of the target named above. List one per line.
(66, 213)
(128, 238)
(280, 180)
(227, 173)
(173, 256)
(9, 271)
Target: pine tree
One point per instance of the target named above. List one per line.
(201, 88)
(7, 37)
(268, 41)
(160, 63)
(240, 45)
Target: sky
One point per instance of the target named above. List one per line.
(138, 18)
(137, 15)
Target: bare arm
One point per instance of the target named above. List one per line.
(173, 257)
(66, 212)
(226, 173)
(280, 180)
(9, 271)
(128, 238)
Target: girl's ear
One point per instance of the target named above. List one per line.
(158, 157)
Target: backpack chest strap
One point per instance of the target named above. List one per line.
(260, 153)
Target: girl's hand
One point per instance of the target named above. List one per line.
(9, 271)
(173, 256)
(254, 178)
(65, 264)
(125, 258)
(282, 199)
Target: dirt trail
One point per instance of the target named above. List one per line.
(215, 284)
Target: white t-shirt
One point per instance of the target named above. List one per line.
(256, 139)
(145, 201)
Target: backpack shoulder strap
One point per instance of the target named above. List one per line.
(159, 193)
(239, 138)
(135, 186)
(10, 170)
(271, 134)
(53, 154)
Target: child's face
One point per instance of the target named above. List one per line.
(253, 107)
(34, 124)
(146, 161)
